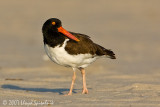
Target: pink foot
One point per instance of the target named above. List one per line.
(85, 91)
(70, 93)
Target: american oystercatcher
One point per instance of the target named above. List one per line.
(71, 49)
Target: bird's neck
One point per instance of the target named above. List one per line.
(53, 39)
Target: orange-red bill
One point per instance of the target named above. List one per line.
(66, 33)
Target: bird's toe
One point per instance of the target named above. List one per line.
(85, 91)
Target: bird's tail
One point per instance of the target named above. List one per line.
(110, 54)
(101, 51)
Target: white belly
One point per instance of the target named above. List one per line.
(61, 57)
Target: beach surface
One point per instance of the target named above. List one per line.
(130, 28)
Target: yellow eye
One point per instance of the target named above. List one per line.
(53, 23)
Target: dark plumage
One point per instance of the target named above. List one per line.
(86, 45)
(71, 49)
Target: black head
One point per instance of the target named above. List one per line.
(51, 24)
(54, 26)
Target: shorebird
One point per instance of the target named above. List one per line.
(71, 49)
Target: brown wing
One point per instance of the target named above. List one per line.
(86, 45)
(79, 34)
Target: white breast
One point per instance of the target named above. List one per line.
(60, 56)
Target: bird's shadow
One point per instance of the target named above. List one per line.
(58, 90)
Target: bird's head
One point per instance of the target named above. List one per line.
(55, 25)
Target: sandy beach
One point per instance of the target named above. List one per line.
(130, 28)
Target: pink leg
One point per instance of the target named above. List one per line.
(73, 80)
(85, 90)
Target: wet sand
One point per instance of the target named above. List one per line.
(129, 28)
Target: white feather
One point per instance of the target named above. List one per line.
(60, 56)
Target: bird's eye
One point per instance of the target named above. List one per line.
(53, 23)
